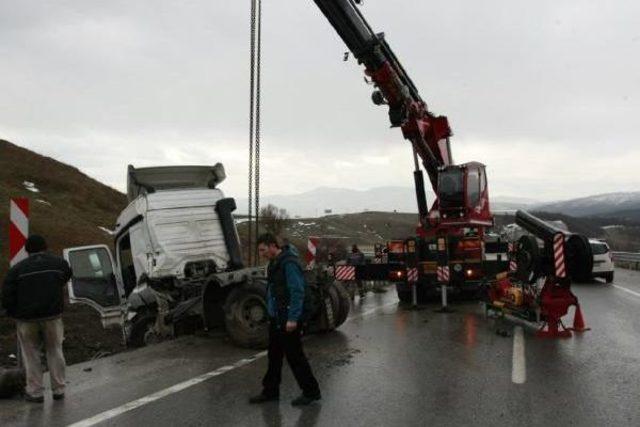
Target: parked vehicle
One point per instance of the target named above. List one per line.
(602, 260)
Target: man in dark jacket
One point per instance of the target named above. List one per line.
(33, 295)
(285, 304)
(356, 257)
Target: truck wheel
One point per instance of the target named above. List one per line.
(404, 293)
(343, 304)
(609, 277)
(12, 382)
(245, 315)
(405, 297)
(141, 333)
(334, 301)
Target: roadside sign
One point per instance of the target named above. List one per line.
(18, 229)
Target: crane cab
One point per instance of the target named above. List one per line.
(463, 196)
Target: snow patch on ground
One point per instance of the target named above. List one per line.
(306, 224)
(28, 185)
(612, 227)
(106, 230)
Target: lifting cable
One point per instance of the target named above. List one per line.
(254, 130)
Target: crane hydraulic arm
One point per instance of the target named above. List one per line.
(429, 134)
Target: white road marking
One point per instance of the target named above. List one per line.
(112, 413)
(518, 362)
(627, 290)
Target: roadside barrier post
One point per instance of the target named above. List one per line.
(443, 274)
(18, 233)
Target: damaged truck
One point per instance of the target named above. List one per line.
(177, 265)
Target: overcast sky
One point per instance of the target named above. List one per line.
(546, 93)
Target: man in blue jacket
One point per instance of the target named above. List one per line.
(285, 304)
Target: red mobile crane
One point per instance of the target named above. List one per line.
(451, 232)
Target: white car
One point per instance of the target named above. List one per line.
(602, 261)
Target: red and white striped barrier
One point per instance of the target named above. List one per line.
(443, 273)
(513, 265)
(312, 248)
(18, 229)
(558, 255)
(412, 275)
(345, 272)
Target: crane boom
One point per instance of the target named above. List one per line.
(428, 133)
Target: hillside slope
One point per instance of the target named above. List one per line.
(67, 209)
(622, 204)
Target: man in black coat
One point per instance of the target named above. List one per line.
(286, 307)
(33, 295)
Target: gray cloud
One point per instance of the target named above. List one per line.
(544, 92)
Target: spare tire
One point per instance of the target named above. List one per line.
(579, 258)
(245, 315)
(528, 259)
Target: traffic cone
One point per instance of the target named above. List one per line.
(578, 321)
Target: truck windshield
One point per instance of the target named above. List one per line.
(451, 188)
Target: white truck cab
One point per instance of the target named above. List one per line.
(176, 255)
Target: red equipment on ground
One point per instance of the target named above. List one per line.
(562, 258)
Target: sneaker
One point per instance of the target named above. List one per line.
(34, 399)
(58, 396)
(305, 400)
(262, 398)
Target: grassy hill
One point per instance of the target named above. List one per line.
(67, 210)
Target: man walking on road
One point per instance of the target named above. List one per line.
(285, 304)
(33, 295)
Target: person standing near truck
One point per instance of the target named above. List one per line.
(285, 304)
(355, 258)
(33, 295)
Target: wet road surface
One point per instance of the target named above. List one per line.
(388, 365)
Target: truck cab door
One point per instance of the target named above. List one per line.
(95, 283)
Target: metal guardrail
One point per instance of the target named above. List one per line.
(629, 260)
(626, 256)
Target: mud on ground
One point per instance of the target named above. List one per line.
(85, 338)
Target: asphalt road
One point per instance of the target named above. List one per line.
(387, 366)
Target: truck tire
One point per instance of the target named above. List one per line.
(404, 293)
(12, 382)
(405, 297)
(245, 315)
(609, 277)
(139, 336)
(334, 299)
(344, 304)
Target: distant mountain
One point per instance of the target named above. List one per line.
(509, 203)
(613, 205)
(314, 203)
